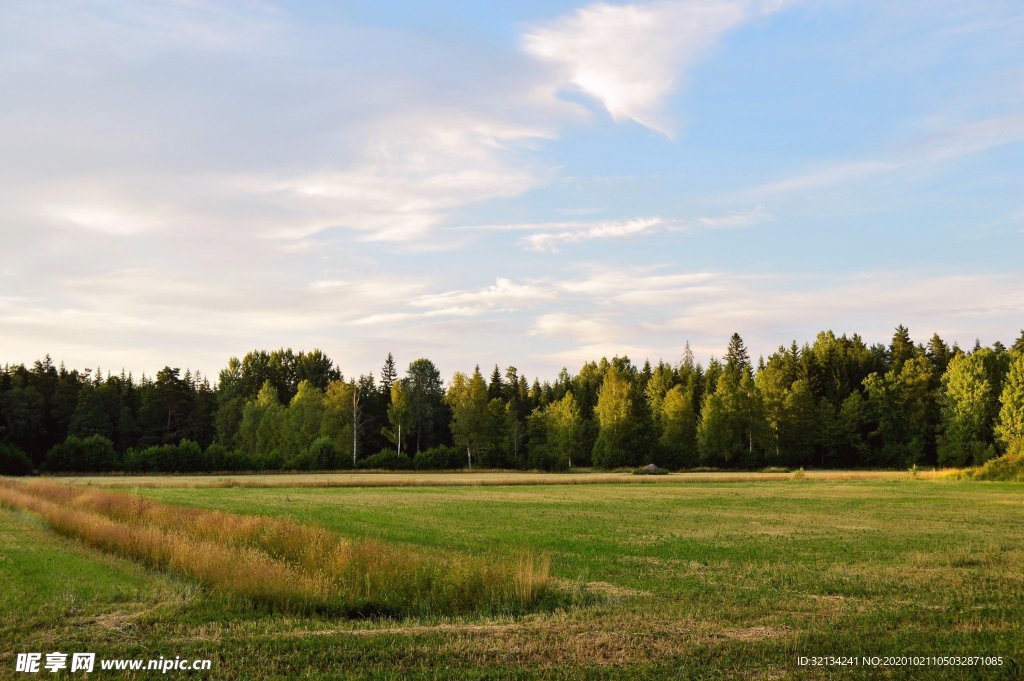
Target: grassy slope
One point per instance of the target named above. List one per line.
(694, 579)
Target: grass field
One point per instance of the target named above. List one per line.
(717, 576)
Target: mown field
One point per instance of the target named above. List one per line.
(686, 577)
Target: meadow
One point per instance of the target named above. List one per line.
(706, 576)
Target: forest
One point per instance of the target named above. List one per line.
(833, 403)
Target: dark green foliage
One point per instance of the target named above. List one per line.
(215, 458)
(442, 457)
(387, 459)
(13, 461)
(184, 457)
(82, 455)
(324, 454)
(428, 412)
(836, 402)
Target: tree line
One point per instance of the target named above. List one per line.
(833, 403)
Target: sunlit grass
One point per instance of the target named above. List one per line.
(282, 563)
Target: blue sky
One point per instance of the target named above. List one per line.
(528, 183)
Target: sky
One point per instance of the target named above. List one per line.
(529, 183)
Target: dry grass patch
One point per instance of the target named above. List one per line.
(282, 563)
(459, 479)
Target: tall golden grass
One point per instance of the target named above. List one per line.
(453, 479)
(281, 563)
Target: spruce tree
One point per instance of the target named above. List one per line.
(736, 357)
(901, 349)
(388, 374)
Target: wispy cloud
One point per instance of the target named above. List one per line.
(936, 142)
(549, 241)
(578, 232)
(631, 58)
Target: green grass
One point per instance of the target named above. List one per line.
(692, 579)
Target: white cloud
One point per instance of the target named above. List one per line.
(409, 179)
(601, 230)
(503, 295)
(630, 58)
(574, 326)
(548, 236)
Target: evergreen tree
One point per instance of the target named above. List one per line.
(736, 356)
(388, 374)
(496, 388)
(901, 348)
(938, 354)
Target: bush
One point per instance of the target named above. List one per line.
(439, 458)
(1008, 467)
(325, 455)
(237, 460)
(387, 459)
(13, 461)
(184, 457)
(215, 458)
(93, 454)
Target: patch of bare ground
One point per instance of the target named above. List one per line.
(757, 633)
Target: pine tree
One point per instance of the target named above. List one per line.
(900, 349)
(496, 388)
(938, 354)
(736, 357)
(388, 374)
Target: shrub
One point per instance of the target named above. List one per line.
(93, 454)
(237, 460)
(1009, 466)
(13, 461)
(302, 461)
(387, 459)
(184, 457)
(215, 458)
(439, 458)
(326, 455)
